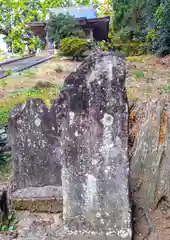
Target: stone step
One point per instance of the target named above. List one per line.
(46, 199)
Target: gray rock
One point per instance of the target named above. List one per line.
(95, 170)
(35, 147)
(3, 204)
(150, 168)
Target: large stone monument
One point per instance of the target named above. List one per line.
(86, 130)
(95, 167)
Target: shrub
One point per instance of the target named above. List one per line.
(28, 73)
(74, 47)
(105, 46)
(59, 69)
(133, 48)
(9, 72)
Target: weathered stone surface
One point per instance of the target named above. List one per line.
(36, 154)
(94, 119)
(4, 147)
(39, 199)
(150, 168)
(35, 147)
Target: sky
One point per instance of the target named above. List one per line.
(3, 45)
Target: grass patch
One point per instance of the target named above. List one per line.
(138, 74)
(5, 170)
(138, 58)
(46, 94)
(9, 72)
(3, 83)
(132, 94)
(135, 59)
(27, 73)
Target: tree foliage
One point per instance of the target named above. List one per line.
(146, 21)
(56, 3)
(105, 9)
(131, 20)
(67, 3)
(63, 26)
(159, 34)
(13, 22)
(86, 2)
(15, 14)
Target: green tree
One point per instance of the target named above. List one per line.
(56, 3)
(13, 21)
(129, 18)
(63, 26)
(105, 9)
(5, 16)
(86, 2)
(150, 10)
(159, 34)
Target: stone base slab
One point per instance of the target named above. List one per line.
(94, 238)
(38, 199)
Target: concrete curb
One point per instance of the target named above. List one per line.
(19, 69)
(13, 60)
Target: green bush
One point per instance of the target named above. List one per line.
(74, 47)
(105, 46)
(133, 48)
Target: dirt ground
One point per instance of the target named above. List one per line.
(36, 226)
(146, 79)
(43, 226)
(146, 76)
(53, 71)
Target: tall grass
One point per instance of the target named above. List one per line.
(46, 94)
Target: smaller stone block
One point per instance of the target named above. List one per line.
(36, 150)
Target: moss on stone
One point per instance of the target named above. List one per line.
(37, 205)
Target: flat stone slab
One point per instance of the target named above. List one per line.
(92, 238)
(38, 199)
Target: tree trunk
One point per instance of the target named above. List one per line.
(149, 146)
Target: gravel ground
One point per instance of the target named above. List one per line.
(36, 226)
